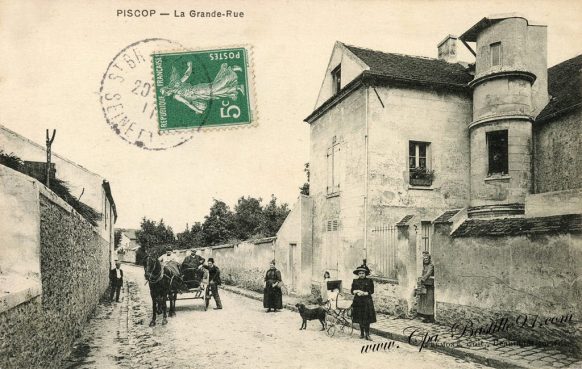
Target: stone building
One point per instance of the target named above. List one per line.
(54, 262)
(412, 153)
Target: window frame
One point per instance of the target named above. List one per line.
(496, 46)
(489, 136)
(413, 180)
(336, 77)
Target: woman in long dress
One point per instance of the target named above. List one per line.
(363, 311)
(426, 301)
(273, 297)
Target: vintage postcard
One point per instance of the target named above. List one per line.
(291, 184)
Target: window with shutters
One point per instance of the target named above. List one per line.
(334, 164)
(331, 247)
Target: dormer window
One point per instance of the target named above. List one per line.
(336, 76)
(495, 54)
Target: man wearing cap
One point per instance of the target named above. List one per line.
(190, 268)
(214, 281)
(426, 300)
(168, 256)
(363, 311)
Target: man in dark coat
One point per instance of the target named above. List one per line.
(190, 268)
(363, 311)
(115, 281)
(214, 281)
(272, 295)
(426, 300)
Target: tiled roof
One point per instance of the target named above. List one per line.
(404, 220)
(130, 233)
(446, 216)
(519, 226)
(564, 87)
(413, 68)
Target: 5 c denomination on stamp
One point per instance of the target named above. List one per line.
(128, 97)
(196, 89)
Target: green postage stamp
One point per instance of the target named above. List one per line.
(196, 89)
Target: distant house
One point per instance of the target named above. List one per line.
(411, 154)
(128, 246)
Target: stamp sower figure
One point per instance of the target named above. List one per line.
(214, 281)
(116, 281)
(363, 311)
(272, 296)
(426, 300)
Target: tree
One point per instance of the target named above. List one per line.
(190, 238)
(116, 238)
(273, 217)
(152, 235)
(304, 190)
(218, 226)
(248, 216)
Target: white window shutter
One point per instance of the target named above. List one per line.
(337, 167)
(330, 170)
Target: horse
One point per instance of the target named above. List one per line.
(164, 284)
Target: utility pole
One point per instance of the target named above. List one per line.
(49, 142)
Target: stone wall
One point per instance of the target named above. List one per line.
(244, 264)
(557, 154)
(490, 278)
(74, 267)
(81, 182)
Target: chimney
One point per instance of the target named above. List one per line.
(448, 49)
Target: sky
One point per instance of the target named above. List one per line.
(54, 56)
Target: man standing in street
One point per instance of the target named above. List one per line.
(116, 281)
(214, 281)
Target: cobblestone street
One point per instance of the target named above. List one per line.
(241, 335)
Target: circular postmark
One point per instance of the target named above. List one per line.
(127, 97)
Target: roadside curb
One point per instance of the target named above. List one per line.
(476, 356)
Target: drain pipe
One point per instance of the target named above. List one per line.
(366, 177)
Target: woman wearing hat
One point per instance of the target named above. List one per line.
(363, 311)
(272, 297)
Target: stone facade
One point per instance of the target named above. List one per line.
(461, 118)
(558, 166)
(74, 267)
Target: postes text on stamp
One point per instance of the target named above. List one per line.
(196, 89)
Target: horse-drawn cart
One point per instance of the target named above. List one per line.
(195, 286)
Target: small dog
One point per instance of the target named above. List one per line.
(311, 314)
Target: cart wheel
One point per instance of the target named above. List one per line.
(350, 328)
(331, 330)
